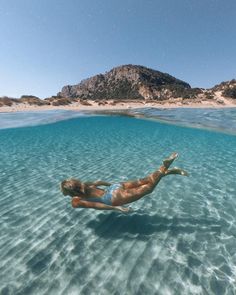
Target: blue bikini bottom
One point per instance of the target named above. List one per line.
(107, 197)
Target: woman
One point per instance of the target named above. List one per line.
(90, 195)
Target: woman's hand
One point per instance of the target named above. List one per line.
(124, 209)
(75, 202)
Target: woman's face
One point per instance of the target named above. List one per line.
(64, 190)
(68, 188)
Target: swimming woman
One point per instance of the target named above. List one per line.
(91, 195)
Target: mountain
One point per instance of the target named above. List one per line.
(132, 82)
(126, 82)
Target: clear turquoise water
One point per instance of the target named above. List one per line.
(181, 239)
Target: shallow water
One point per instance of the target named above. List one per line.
(179, 240)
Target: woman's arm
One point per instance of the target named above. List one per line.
(97, 183)
(100, 182)
(77, 202)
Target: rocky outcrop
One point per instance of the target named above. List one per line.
(126, 82)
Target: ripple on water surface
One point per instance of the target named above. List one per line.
(179, 240)
(219, 119)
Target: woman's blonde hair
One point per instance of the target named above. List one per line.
(72, 187)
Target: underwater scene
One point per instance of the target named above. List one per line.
(180, 239)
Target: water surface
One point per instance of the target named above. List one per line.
(219, 119)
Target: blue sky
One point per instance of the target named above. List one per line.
(46, 44)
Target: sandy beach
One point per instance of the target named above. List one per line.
(94, 106)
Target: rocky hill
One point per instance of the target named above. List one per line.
(127, 82)
(133, 83)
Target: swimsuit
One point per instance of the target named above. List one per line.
(106, 198)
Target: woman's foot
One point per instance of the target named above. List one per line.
(176, 170)
(167, 162)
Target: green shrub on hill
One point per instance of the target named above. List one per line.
(61, 101)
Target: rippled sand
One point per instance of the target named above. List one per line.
(179, 240)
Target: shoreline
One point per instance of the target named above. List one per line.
(119, 106)
(190, 118)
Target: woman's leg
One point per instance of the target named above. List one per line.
(135, 183)
(142, 181)
(124, 196)
(176, 171)
(131, 194)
